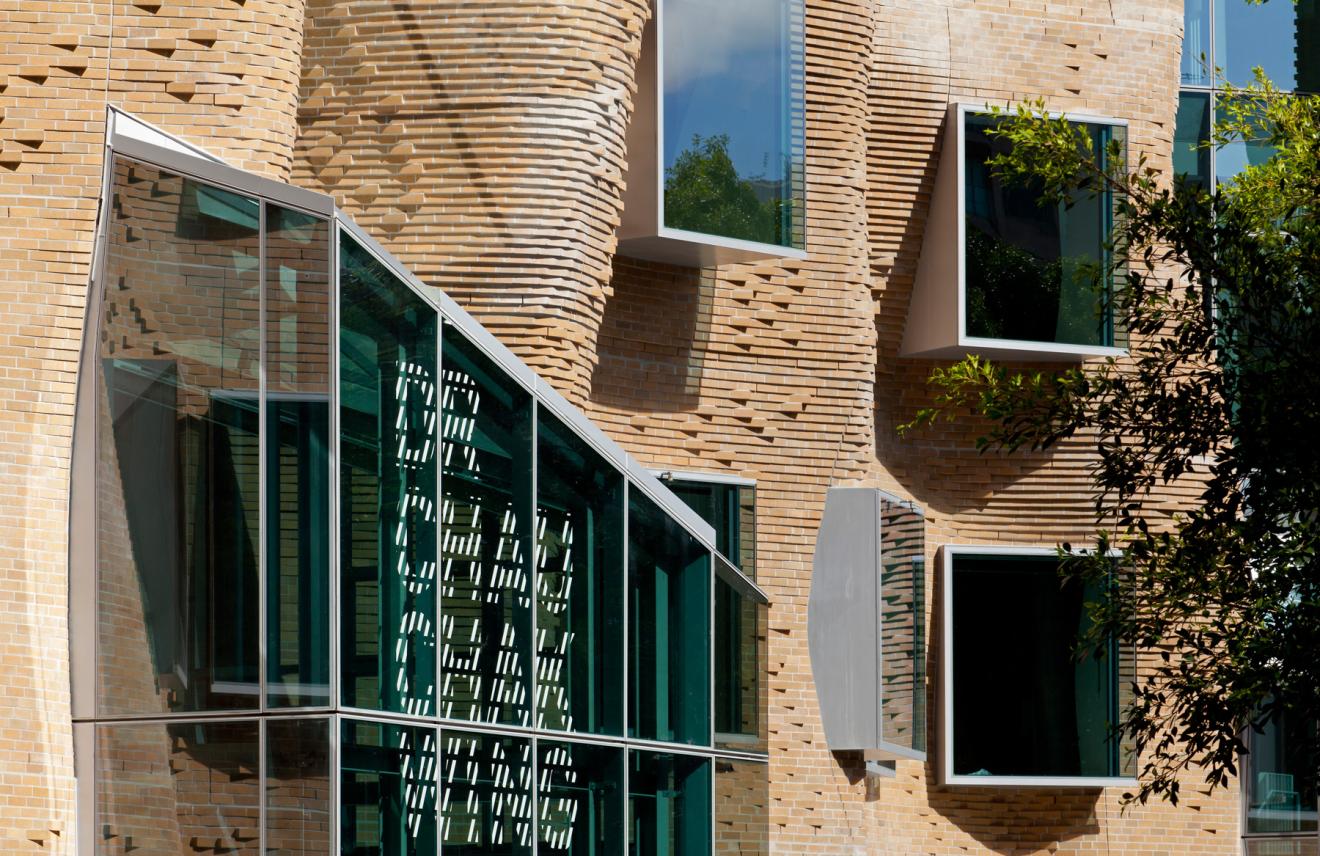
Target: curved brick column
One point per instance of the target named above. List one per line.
(484, 144)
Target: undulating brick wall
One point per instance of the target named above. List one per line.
(483, 143)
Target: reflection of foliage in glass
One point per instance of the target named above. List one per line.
(1014, 294)
(704, 193)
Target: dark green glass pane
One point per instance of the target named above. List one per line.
(388, 441)
(1280, 781)
(903, 625)
(740, 663)
(162, 789)
(387, 790)
(669, 805)
(579, 799)
(1023, 705)
(733, 142)
(487, 512)
(742, 807)
(299, 814)
(178, 484)
(487, 808)
(731, 510)
(669, 632)
(1281, 38)
(298, 473)
(579, 601)
(1191, 135)
(1032, 271)
(1197, 61)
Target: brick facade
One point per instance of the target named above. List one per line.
(483, 143)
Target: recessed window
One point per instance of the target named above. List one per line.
(1020, 706)
(716, 147)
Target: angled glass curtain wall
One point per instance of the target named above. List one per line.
(733, 145)
(384, 650)
(1034, 273)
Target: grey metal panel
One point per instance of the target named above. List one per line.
(843, 626)
(737, 580)
(224, 175)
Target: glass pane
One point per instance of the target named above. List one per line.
(487, 508)
(387, 790)
(298, 458)
(1280, 784)
(579, 601)
(1232, 159)
(742, 807)
(1191, 133)
(669, 805)
(580, 799)
(1031, 270)
(740, 661)
(1286, 846)
(1023, 705)
(178, 478)
(487, 808)
(388, 442)
(161, 789)
(298, 810)
(1197, 61)
(731, 509)
(733, 119)
(903, 625)
(669, 632)
(1278, 37)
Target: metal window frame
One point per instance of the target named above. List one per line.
(124, 139)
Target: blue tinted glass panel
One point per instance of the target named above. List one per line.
(733, 118)
(1280, 37)
(1197, 60)
(1232, 159)
(1280, 778)
(579, 799)
(487, 804)
(669, 804)
(387, 790)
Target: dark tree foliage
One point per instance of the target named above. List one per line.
(704, 193)
(1220, 295)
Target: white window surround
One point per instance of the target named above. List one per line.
(937, 315)
(945, 700)
(642, 231)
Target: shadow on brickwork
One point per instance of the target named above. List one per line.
(653, 338)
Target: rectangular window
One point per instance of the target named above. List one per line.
(730, 508)
(579, 799)
(178, 479)
(387, 789)
(579, 583)
(902, 625)
(1191, 137)
(487, 551)
(389, 403)
(669, 804)
(1279, 788)
(487, 806)
(297, 419)
(740, 661)
(299, 816)
(669, 603)
(1034, 273)
(1279, 37)
(163, 788)
(1020, 705)
(733, 140)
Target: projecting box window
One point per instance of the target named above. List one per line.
(1002, 274)
(1019, 707)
